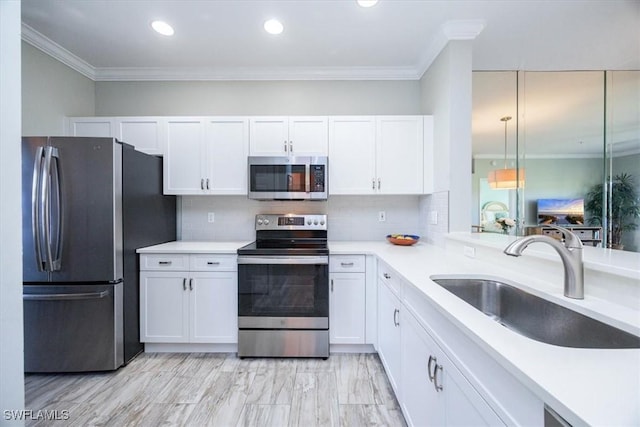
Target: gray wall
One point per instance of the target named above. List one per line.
(258, 98)
(446, 93)
(51, 91)
(11, 337)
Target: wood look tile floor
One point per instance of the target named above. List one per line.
(208, 389)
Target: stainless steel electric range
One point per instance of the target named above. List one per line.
(283, 288)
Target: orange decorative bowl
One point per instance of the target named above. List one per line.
(403, 239)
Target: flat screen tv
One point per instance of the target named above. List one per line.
(561, 211)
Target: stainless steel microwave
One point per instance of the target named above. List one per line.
(288, 178)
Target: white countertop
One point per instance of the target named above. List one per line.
(194, 247)
(585, 386)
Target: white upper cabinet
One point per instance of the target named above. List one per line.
(352, 155)
(399, 148)
(288, 136)
(206, 155)
(144, 133)
(184, 164)
(91, 126)
(226, 150)
(379, 155)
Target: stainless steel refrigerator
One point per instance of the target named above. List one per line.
(88, 204)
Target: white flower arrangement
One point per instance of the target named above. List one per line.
(506, 224)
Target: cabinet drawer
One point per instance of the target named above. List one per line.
(209, 262)
(389, 277)
(346, 264)
(161, 262)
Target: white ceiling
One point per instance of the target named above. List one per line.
(329, 39)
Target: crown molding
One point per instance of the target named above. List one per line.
(256, 73)
(56, 51)
(449, 31)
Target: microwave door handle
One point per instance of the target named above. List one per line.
(36, 206)
(289, 182)
(307, 178)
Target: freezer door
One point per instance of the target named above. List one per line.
(72, 328)
(72, 209)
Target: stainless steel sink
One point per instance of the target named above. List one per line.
(535, 317)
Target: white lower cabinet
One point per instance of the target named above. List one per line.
(434, 392)
(347, 299)
(188, 306)
(389, 338)
(430, 388)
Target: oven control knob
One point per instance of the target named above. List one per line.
(321, 222)
(266, 221)
(308, 222)
(259, 221)
(315, 222)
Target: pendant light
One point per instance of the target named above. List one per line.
(506, 178)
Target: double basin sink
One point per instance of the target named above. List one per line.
(535, 317)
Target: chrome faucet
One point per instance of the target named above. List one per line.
(570, 252)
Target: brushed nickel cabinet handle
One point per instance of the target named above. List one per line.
(190, 284)
(437, 369)
(164, 262)
(387, 276)
(346, 264)
(331, 285)
(202, 183)
(184, 284)
(431, 360)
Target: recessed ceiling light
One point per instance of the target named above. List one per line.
(162, 28)
(273, 26)
(367, 3)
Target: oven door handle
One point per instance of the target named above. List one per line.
(314, 260)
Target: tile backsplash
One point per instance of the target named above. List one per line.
(350, 217)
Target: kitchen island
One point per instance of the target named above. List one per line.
(584, 386)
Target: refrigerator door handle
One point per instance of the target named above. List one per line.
(59, 297)
(59, 213)
(45, 194)
(36, 206)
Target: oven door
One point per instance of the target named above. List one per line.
(276, 292)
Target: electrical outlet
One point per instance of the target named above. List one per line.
(434, 217)
(382, 216)
(470, 251)
(211, 217)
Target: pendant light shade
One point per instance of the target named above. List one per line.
(506, 178)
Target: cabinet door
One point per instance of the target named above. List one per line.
(214, 307)
(399, 154)
(227, 146)
(91, 126)
(144, 133)
(269, 136)
(308, 136)
(389, 334)
(184, 158)
(164, 307)
(347, 308)
(352, 151)
(463, 404)
(422, 404)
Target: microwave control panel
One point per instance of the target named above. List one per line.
(317, 178)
